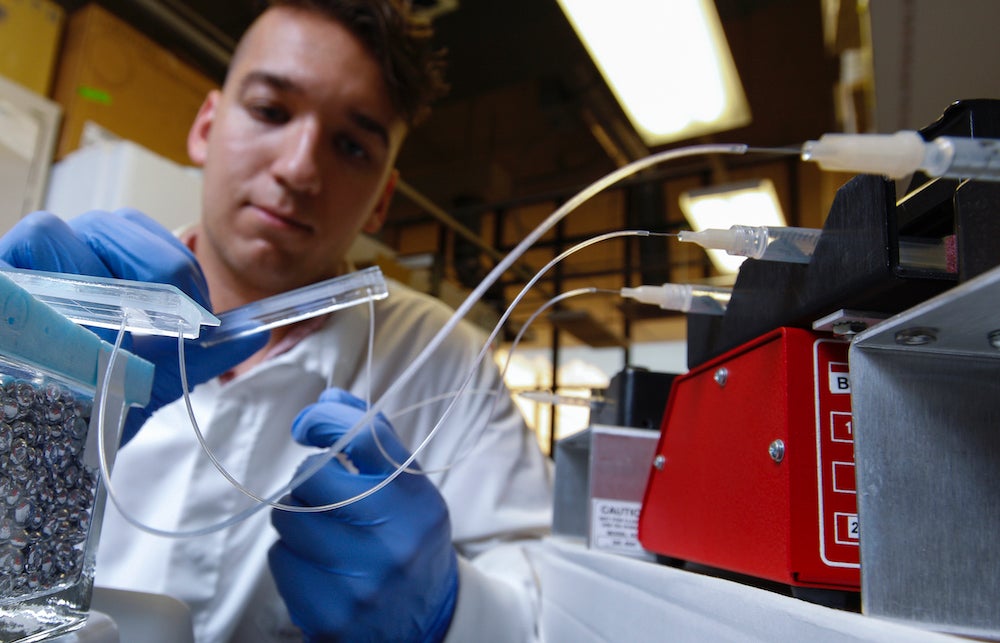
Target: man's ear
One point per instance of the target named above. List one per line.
(197, 140)
(381, 210)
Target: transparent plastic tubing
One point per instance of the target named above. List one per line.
(496, 392)
(102, 395)
(414, 367)
(261, 502)
(463, 389)
(455, 395)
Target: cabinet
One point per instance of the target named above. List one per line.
(120, 79)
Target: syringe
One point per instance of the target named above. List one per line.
(686, 298)
(903, 153)
(796, 245)
(792, 245)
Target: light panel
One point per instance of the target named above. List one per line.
(667, 63)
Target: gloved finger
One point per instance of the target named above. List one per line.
(333, 483)
(333, 537)
(143, 251)
(298, 583)
(374, 449)
(143, 221)
(320, 539)
(389, 523)
(155, 229)
(43, 241)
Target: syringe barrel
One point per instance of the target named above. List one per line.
(708, 300)
(775, 243)
(963, 158)
(685, 298)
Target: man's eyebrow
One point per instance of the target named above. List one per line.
(276, 81)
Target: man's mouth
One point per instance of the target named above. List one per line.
(283, 216)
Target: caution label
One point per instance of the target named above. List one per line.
(614, 527)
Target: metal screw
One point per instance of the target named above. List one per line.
(916, 336)
(776, 450)
(659, 461)
(994, 338)
(721, 376)
(848, 328)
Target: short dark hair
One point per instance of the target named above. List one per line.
(413, 69)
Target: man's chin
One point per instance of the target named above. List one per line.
(275, 280)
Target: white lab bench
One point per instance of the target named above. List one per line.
(589, 595)
(119, 616)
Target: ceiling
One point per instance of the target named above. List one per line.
(528, 116)
(525, 100)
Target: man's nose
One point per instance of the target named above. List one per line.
(297, 166)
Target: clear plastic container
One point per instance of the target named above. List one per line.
(51, 500)
(299, 304)
(151, 308)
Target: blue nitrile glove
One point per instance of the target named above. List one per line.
(380, 569)
(128, 245)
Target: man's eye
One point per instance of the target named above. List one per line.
(269, 113)
(348, 146)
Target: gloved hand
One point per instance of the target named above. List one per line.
(380, 569)
(128, 245)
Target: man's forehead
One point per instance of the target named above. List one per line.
(267, 39)
(281, 32)
(283, 51)
(299, 44)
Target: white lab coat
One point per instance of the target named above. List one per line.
(497, 487)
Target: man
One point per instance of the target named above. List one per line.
(298, 150)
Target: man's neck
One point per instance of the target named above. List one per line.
(226, 290)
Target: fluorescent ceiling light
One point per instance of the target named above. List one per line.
(667, 63)
(753, 203)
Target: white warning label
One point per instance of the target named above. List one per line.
(614, 526)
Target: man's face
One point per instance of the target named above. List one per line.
(298, 151)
